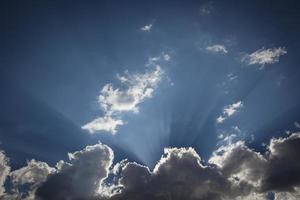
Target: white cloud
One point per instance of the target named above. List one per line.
(264, 56)
(115, 101)
(229, 110)
(217, 48)
(147, 28)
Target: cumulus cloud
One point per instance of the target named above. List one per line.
(264, 56)
(147, 28)
(217, 48)
(115, 101)
(229, 110)
(233, 172)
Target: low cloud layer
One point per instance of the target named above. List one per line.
(234, 171)
(264, 56)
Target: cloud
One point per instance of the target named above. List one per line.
(229, 110)
(32, 176)
(81, 177)
(283, 171)
(106, 123)
(233, 172)
(147, 28)
(115, 101)
(4, 171)
(297, 125)
(217, 48)
(264, 56)
(206, 8)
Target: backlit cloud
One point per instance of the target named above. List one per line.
(264, 56)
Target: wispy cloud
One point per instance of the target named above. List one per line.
(217, 48)
(135, 88)
(147, 28)
(264, 56)
(229, 110)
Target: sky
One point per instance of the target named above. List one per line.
(149, 100)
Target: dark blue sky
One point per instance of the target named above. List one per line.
(57, 56)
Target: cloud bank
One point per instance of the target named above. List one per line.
(234, 171)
